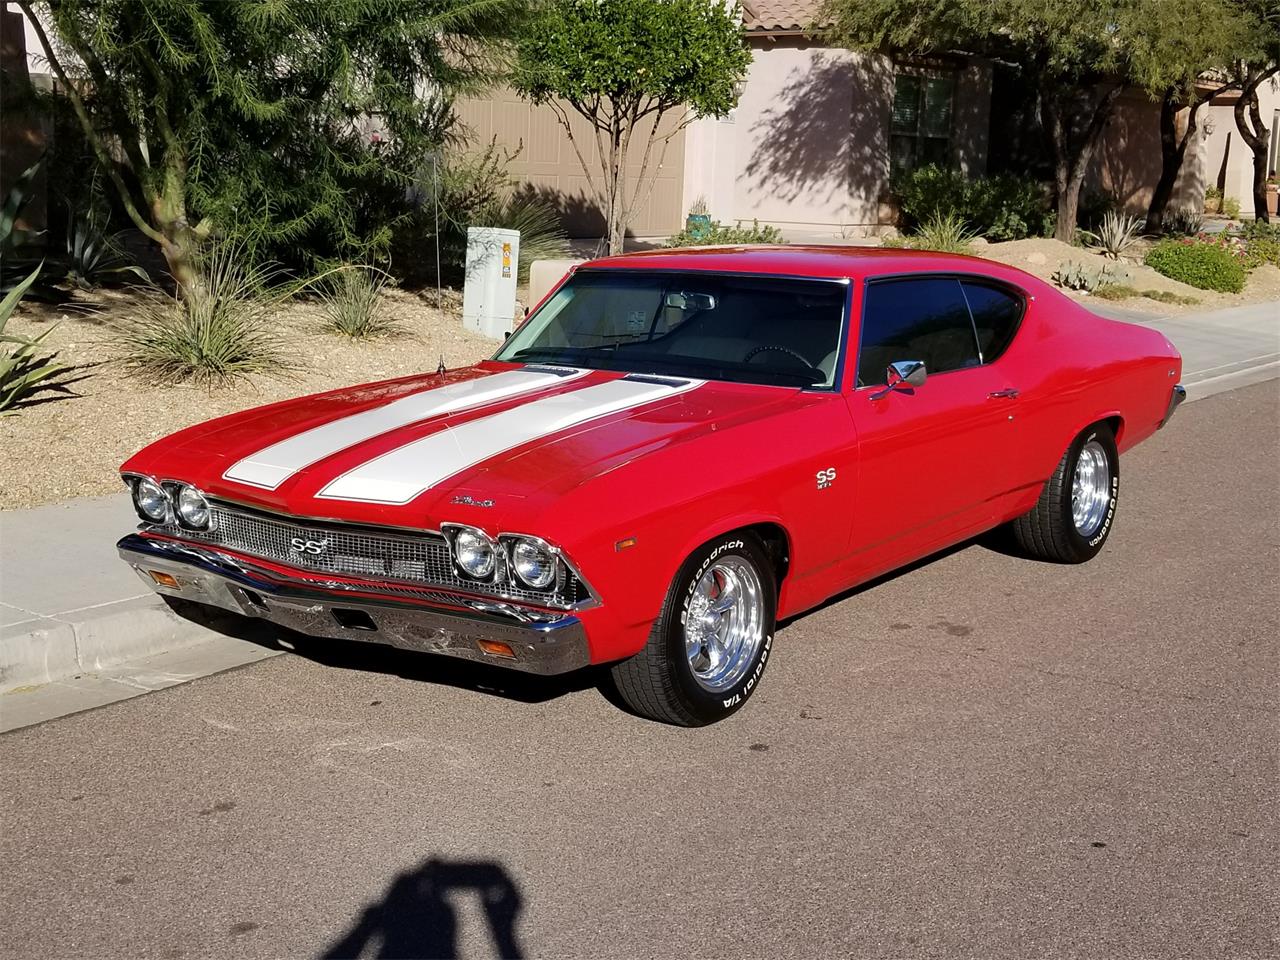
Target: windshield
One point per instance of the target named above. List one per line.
(710, 326)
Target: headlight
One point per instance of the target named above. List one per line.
(150, 500)
(533, 563)
(192, 508)
(474, 553)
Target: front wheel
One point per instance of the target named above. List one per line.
(1072, 519)
(709, 646)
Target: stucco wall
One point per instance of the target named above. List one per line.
(544, 162)
(807, 148)
(1126, 163)
(1226, 158)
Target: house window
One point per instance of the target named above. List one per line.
(920, 133)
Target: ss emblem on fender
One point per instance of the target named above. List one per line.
(313, 547)
(826, 477)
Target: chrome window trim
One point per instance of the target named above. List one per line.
(1019, 293)
(841, 344)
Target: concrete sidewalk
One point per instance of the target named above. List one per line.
(79, 629)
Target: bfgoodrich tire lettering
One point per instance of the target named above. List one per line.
(1058, 528)
(675, 678)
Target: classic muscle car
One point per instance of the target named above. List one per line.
(675, 450)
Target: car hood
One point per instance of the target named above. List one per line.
(482, 445)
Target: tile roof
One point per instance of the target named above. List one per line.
(763, 16)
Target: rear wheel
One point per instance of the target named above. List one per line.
(1072, 519)
(708, 648)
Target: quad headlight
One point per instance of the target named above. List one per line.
(151, 500)
(191, 507)
(520, 560)
(474, 553)
(533, 562)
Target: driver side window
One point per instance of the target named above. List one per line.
(925, 319)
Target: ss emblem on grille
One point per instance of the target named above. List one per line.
(313, 547)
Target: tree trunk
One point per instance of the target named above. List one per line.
(1255, 133)
(1072, 152)
(1173, 150)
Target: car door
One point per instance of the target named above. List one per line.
(933, 459)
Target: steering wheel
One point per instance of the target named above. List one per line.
(778, 349)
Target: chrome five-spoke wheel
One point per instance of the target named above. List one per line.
(725, 624)
(1090, 489)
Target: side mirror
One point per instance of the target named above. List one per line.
(902, 374)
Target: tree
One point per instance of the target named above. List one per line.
(1080, 54)
(288, 124)
(624, 66)
(1252, 70)
(1194, 48)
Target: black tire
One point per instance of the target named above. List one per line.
(658, 682)
(1048, 531)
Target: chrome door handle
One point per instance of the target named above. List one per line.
(1009, 393)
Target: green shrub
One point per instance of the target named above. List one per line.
(721, 235)
(1200, 263)
(1231, 208)
(1261, 243)
(947, 234)
(352, 303)
(1181, 223)
(218, 330)
(23, 369)
(474, 190)
(999, 208)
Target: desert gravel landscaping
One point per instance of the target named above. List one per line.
(71, 444)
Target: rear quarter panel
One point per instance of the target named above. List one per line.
(1074, 368)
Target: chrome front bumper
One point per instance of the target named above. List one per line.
(541, 642)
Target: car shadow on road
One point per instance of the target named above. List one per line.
(417, 917)
(410, 665)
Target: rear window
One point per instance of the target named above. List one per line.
(996, 315)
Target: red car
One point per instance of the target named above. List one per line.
(673, 451)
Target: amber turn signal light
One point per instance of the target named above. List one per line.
(164, 579)
(496, 648)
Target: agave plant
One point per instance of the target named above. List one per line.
(93, 257)
(14, 266)
(1115, 234)
(24, 369)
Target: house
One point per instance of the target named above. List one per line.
(809, 148)
(1126, 164)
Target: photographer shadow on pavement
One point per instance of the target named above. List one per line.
(416, 918)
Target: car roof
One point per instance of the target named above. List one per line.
(814, 261)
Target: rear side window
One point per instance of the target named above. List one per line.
(996, 315)
(925, 319)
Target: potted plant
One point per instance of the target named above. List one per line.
(1273, 187)
(698, 223)
(1213, 200)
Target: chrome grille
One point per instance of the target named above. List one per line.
(406, 557)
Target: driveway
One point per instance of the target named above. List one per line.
(983, 756)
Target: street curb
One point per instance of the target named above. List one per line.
(57, 649)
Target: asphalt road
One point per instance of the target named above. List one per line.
(982, 757)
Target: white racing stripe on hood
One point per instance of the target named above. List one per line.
(400, 475)
(274, 465)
